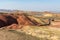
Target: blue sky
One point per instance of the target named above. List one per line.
(31, 5)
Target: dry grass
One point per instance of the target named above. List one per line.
(44, 33)
(14, 35)
(31, 33)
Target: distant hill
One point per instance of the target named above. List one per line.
(28, 12)
(4, 10)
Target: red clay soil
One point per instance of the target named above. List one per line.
(2, 18)
(11, 21)
(56, 24)
(13, 26)
(24, 20)
(7, 20)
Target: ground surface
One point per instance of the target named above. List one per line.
(14, 35)
(51, 32)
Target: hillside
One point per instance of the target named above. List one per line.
(20, 25)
